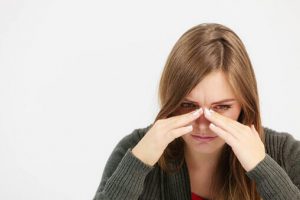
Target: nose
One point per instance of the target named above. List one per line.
(202, 123)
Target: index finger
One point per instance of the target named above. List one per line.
(183, 120)
(223, 122)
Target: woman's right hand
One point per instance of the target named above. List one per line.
(164, 131)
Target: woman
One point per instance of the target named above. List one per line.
(207, 141)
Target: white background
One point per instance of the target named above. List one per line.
(77, 76)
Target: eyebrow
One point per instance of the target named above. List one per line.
(217, 102)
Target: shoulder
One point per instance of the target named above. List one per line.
(278, 139)
(271, 133)
(282, 147)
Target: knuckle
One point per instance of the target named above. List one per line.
(158, 121)
(247, 128)
(171, 138)
(176, 120)
(171, 135)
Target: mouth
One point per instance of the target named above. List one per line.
(203, 138)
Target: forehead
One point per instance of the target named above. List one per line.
(214, 87)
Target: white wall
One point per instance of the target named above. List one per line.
(77, 76)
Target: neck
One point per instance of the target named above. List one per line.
(196, 160)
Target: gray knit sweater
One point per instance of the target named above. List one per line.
(126, 177)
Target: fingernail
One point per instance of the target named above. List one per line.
(196, 112)
(207, 112)
(190, 128)
(212, 125)
(200, 110)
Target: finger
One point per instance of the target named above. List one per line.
(183, 120)
(227, 124)
(254, 130)
(227, 137)
(178, 132)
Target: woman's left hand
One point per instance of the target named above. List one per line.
(244, 140)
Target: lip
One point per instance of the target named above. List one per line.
(204, 138)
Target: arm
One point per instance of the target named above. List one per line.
(124, 174)
(273, 181)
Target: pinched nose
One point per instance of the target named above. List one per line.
(201, 122)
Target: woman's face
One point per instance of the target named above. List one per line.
(208, 94)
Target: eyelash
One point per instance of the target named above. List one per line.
(225, 107)
(188, 105)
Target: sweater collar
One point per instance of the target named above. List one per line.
(177, 185)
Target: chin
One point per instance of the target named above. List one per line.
(206, 150)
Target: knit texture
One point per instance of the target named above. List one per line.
(124, 177)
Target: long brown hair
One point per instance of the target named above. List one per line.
(199, 51)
